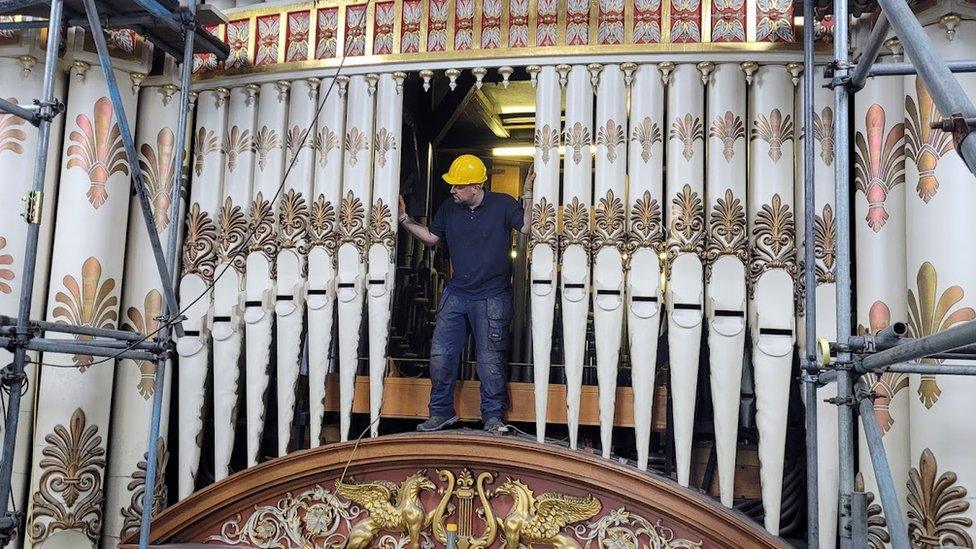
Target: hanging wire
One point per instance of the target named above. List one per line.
(241, 249)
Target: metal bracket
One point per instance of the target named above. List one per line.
(8, 376)
(48, 111)
(869, 344)
(8, 526)
(956, 124)
(836, 401)
(33, 204)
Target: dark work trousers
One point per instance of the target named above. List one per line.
(488, 319)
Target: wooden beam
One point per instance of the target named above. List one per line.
(407, 398)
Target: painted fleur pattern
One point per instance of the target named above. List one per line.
(728, 128)
(687, 129)
(97, 149)
(6, 273)
(236, 142)
(686, 233)
(204, 145)
(823, 132)
(930, 312)
(265, 140)
(12, 135)
(775, 129)
(145, 321)
(158, 165)
(610, 136)
(937, 506)
(89, 301)
(879, 163)
(646, 134)
(355, 142)
(326, 141)
(547, 141)
(578, 139)
(923, 145)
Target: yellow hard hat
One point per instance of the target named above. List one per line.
(466, 169)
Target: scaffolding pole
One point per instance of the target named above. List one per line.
(810, 281)
(8, 520)
(870, 52)
(905, 69)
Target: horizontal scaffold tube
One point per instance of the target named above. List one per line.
(913, 349)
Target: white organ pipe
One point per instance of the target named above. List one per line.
(941, 277)
(685, 248)
(235, 162)
(198, 264)
(323, 240)
(575, 235)
(609, 237)
(86, 271)
(269, 168)
(879, 227)
(646, 174)
(726, 257)
(772, 271)
(543, 242)
(293, 216)
(381, 258)
(142, 299)
(353, 236)
(18, 149)
(822, 133)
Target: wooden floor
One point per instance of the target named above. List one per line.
(407, 398)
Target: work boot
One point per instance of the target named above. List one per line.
(436, 423)
(495, 425)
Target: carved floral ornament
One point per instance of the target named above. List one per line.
(380, 513)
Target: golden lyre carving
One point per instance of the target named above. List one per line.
(936, 506)
(465, 488)
(543, 230)
(540, 519)
(928, 315)
(69, 492)
(391, 508)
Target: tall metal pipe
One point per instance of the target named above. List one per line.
(810, 279)
(953, 338)
(30, 259)
(882, 471)
(152, 460)
(845, 412)
(948, 94)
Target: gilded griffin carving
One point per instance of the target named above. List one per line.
(540, 519)
(391, 508)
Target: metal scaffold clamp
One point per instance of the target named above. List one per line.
(958, 125)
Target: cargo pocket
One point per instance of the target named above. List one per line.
(499, 319)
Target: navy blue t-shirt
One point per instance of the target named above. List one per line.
(478, 241)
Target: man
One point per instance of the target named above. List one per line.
(477, 225)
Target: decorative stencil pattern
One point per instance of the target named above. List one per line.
(577, 22)
(647, 22)
(355, 30)
(879, 163)
(296, 43)
(410, 26)
(383, 28)
(464, 25)
(518, 23)
(97, 148)
(237, 37)
(937, 506)
(267, 40)
(6, 273)
(924, 145)
(547, 22)
(728, 21)
(685, 21)
(774, 21)
(207, 62)
(437, 25)
(610, 19)
(327, 27)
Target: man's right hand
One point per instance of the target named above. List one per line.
(402, 208)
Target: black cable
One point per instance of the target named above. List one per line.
(242, 248)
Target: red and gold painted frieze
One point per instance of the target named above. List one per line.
(307, 35)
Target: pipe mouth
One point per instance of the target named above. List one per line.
(900, 329)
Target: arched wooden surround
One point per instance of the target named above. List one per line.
(274, 488)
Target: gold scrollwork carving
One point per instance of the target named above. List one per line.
(381, 228)
(621, 528)
(609, 218)
(726, 231)
(543, 231)
(352, 224)
(69, 493)
(322, 225)
(292, 221)
(199, 246)
(687, 231)
(646, 226)
(261, 226)
(232, 225)
(774, 241)
(576, 225)
(936, 506)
